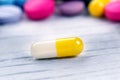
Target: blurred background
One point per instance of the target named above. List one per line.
(24, 22)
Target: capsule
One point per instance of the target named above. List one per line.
(64, 47)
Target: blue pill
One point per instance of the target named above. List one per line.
(10, 14)
(7, 2)
(20, 3)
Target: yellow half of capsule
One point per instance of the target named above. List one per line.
(67, 47)
(96, 7)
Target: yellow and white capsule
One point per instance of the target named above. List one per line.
(65, 47)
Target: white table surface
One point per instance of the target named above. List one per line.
(100, 59)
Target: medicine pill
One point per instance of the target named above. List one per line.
(10, 13)
(71, 8)
(65, 47)
(112, 11)
(39, 9)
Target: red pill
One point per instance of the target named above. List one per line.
(39, 9)
(112, 11)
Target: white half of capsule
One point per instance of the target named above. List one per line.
(45, 49)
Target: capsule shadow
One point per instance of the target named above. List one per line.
(57, 58)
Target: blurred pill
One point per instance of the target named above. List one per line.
(96, 7)
(71, 8)
(39, 9)
(7, 2)
(10, 14)
(112, 11)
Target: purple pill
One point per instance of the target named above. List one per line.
(71, 8)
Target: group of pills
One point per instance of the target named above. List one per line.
(13, 10)
(109, 8)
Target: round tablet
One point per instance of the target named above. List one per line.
(112, 11)
(71, 8)
(39, 9)
(10, 13)
(6, 2)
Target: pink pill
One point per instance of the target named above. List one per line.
(112, 11)
(39, 9)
